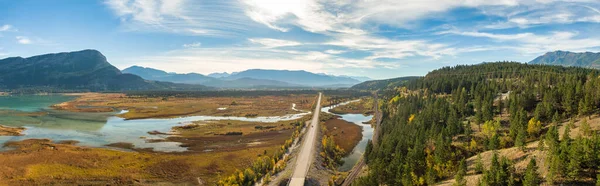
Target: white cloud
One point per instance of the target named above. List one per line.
(6, 28)
(530, 43)
(210, 18)
(544, 13)
(347, 26)
(273, 43)
(335, 51)
(23, 40)
(192, 45)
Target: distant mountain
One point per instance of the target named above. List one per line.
(298, 77)
(219, 75)
(249, 83)
(81, 70)
(565, 58)
(194, 78)
(159, 75)
(383, 84)
(359, 78)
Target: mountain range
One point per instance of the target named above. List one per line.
(81, 70)
(249, 78)
(565, 58)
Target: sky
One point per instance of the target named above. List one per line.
(373, 38)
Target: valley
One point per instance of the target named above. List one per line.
(87, 129)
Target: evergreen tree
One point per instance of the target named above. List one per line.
(459, 178)
(566, 133)
(585, 128)
(531, 177)
(574, 160)
(542, 144)
(521, 140)
(479, 164)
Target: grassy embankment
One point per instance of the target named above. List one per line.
(364, 106)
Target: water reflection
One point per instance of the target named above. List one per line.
(367, 132)
(100, 129)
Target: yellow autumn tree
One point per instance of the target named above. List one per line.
(411, 118)
(490, 128)
(534, 127)
(473, 145)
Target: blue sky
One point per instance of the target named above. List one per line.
(374, 38)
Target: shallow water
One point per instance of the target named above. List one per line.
(99, 129)
(31, 103)
(367, 132)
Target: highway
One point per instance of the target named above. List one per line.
(305, 157)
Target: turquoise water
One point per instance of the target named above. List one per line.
(31, 103)
(100, 129)
(367, 132)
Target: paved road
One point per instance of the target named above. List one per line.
(305, 157)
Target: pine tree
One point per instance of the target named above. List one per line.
(459, 178)
(585, 128)
(520, 140)
(574, 160)
(531, 177)
(566, 134)
(541, 144)
(479, 164)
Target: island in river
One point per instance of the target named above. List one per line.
(92, 139)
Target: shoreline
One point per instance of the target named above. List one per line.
(11, 131)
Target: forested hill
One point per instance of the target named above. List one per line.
(86, 70)
(495, 123)
(565, 58)
(383, 84)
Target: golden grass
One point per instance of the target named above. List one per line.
(145, 107)
(345, 134)
(41, 162)
(10, 131)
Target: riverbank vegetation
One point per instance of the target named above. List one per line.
(345, 134)
(362, 106)
(508, 117)
(263, 167)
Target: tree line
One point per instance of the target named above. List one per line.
(428, 134)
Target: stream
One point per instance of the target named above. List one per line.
(367, 133)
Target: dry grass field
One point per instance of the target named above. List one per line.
(167, 107)
(345, 134)
(42, 162)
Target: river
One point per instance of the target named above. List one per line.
(367, 133)
(96, 129)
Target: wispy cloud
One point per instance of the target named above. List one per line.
(273, 43)
(6, 28)
(530, 43)
(192, 45)
(210, 17)
(23, 40)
